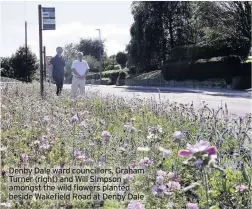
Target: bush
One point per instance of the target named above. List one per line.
(121, 59)
(203, 69)
(92, 62)
(195, 52)
(245, 69)
(113, 77)
(176, 70)
(122, 75)
(132, 70)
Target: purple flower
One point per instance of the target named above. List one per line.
(171, 175)
(145, 162)
(24, 157)
(135, 205)
(192, 206)
(173, 185)
(160, 180)
(178, 135)
(46, 120)
(75, 119)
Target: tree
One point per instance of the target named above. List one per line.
(70, 54)
(92, 62)
(16, 66)
(121, 59)
(91, 47)
(6, 68)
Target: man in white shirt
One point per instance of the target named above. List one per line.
(80, 70)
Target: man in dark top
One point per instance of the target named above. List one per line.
(57, 65)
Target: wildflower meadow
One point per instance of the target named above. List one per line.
(191, 158)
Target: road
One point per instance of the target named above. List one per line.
(238, 103)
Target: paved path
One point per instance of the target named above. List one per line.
(238, 102)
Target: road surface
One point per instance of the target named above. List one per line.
(238, 103)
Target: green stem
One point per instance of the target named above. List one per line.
(206, 187)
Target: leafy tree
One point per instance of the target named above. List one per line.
(121, 59)
(70, 54)
(91, 47)
(20, 68)
(92, 62)
(6, 68)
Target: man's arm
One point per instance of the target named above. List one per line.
(74, 70)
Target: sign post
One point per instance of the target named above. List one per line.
(40, 51)
(46, 22)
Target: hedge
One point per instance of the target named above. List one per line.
(203, 69)
(195, 52)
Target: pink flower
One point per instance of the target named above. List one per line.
(185, 153)
(24, 157)
(135, 205)
(80, 157)
(192, 206)
(105, 134)
(134, 164)
(241, 188)
(199, 147)
(211, 150)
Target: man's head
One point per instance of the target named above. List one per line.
(79, 56)
(59, 51)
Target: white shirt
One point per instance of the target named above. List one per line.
(80, 67)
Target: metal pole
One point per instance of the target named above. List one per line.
(40, 50)
(45, 62)
(100, 48)
(26, 52)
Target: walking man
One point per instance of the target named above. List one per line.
(80, 70)
(57, 65)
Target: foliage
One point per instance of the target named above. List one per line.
(70, 54)
(121, 59)
(109, 62)
(91, 47)
(92, 62)
(187, 30)
(192, 158)
(17, 67)
(132, 70)
(203, 69)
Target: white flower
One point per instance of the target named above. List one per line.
(3, 148)
(8, 205)
(143, 149)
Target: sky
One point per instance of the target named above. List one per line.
(74, 20)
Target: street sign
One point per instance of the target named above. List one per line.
(48, 16)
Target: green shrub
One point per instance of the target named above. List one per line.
(176, 70)
(122, 75)
(132, 70)
(195, 52)
(203, 69)
(113, 77)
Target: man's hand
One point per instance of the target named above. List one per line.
(83, 77)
